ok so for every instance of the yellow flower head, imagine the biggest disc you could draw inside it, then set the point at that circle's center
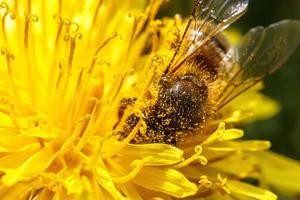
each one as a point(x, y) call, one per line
point(78, 80)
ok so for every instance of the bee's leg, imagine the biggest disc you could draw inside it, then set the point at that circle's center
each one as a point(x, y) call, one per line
point(130, 124)
point(123, 106)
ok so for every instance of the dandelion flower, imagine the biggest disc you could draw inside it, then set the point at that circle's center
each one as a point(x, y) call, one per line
point(66, 66)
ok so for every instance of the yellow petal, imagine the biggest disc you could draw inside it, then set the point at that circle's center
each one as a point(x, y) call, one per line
point(16, 159)
point(161, 154)
point(73, 184)
point(105, 180)
point(251, 145)
point(215, 196)
point(280, 172)
point(5, 120)
point(240, 165)
point(165, 180)
point(15, 192)
point(244, 108)
point(130, 191)
point(11, 142)
point(246, 191)
point(32, 167)
point(223, 134)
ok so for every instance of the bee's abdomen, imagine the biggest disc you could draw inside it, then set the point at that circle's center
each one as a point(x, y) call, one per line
point(179, 108)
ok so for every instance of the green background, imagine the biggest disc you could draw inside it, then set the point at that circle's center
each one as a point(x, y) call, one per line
point(282, 130)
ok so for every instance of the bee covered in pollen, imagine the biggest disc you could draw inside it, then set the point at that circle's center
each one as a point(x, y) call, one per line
point(205, 73)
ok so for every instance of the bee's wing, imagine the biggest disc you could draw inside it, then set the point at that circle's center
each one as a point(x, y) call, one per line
point(261, 52)
point(208, 19)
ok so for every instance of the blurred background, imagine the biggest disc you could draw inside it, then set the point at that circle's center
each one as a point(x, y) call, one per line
point(282, 130)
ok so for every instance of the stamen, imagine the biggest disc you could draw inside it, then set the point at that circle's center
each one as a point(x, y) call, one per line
point(205, 183)
point(216, 135)
point(138, 165)
point(85, 159)
point(6, 108)
point(97, 61)
point(4, 5)
point(136, 21)
point(86, 133)
point(60, 75)
point(118, 87)
point(193, 158)
point(7, 13)
point(28, 19)
point(74, 27)
point(41, 142)
point(132, 134)
point(71, 27)
point(83, 118)
point(67, 24)
point(29, 6)
point(221, 184)
point(53, 70)
point(79, 81)
point(125, 142)
point(72, 40)
point(155, 38)
point(59, 30)
point(59, 6)
point(105, 42)
point(9, 56)
point(94, 159)
point(96, 13)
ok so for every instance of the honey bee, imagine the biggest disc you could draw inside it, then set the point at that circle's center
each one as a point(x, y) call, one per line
point(206, 73)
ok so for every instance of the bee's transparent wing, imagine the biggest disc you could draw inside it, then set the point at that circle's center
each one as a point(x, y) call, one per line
point(208, 19)
point(261, 52)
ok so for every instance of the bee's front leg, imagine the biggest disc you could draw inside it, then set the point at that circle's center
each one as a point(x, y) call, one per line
point(130, 121)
